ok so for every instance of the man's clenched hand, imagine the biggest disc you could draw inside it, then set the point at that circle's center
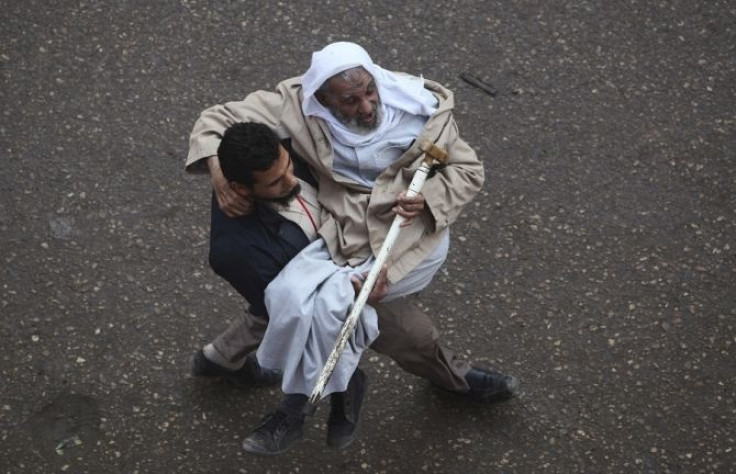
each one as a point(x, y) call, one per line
point(231, 203)
point(380, 289)
point(408, 207)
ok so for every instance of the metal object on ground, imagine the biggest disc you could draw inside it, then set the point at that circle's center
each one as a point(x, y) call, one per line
point(474, 81)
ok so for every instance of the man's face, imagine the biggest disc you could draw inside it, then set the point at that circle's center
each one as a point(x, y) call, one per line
point(276, 184)
point(353, 99)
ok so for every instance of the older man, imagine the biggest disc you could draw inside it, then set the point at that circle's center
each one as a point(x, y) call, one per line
point(358, 127)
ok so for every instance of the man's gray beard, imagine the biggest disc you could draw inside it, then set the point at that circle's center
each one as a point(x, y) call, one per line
point(359, 127)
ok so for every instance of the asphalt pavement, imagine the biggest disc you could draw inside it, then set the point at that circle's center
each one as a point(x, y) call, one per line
point(597, 264)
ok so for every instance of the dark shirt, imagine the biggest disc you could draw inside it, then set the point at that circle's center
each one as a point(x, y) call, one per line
point(249, 251)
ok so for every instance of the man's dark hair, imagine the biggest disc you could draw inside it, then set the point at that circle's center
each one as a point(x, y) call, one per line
point(245, 148)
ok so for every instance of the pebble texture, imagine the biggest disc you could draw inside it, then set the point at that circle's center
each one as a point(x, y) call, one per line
point(597, 264)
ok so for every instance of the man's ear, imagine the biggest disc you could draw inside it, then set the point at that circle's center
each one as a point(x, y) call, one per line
point(240, 188)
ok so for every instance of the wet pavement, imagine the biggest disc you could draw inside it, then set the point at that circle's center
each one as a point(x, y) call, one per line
point(597, 264)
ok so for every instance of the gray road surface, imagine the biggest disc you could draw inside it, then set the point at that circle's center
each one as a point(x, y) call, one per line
point(597, 264)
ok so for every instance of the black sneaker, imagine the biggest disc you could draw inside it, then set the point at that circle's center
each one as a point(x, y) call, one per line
point(490, 386)
point(345, 412)
point(277, 433)
point(248, 376)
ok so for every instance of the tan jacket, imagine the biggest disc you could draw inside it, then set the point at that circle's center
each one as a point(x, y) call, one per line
point(359, 217)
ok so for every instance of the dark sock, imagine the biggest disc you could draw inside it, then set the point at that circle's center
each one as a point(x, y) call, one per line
point(337, 404)
point(293, 405)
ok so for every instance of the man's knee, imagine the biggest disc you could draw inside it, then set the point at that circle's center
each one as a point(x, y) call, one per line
point(416, 335)
point(404, 327)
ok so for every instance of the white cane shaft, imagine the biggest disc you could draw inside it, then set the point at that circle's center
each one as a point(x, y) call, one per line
point(415, 188)
point(352, 319)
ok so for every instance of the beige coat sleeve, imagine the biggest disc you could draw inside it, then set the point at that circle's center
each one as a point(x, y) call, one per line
point(456, 185)
point(267, 107)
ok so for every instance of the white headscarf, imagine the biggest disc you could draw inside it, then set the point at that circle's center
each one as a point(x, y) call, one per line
point(398, 94)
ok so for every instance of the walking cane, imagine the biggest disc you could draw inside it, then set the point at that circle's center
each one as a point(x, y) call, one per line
point(433, 156)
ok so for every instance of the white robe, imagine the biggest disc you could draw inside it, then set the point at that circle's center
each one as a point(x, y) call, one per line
point(308, 303)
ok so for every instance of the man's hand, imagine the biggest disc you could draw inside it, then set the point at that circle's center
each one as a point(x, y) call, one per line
point(380, 289)
point(231, 203)
point(408, 207)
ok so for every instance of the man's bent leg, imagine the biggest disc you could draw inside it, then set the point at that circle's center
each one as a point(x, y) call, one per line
point(241, 338)
point(228, 355)
point(409, 337)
